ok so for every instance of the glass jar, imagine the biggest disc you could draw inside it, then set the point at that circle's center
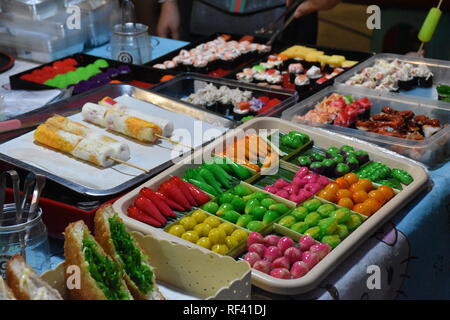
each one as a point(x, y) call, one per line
point(131, 43)
point(29, 234)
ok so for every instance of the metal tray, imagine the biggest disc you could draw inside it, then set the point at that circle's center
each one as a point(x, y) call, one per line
point(73, 105)
point(323, 139)
point(185, 84)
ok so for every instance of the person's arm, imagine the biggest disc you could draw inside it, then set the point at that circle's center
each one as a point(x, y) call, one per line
point(169, 20)
point(310, 6)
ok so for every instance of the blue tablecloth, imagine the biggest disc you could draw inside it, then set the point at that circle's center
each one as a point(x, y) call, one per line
point(412, 251)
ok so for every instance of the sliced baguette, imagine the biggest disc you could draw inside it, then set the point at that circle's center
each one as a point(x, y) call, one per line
point(5, 291)
point(103, 237)
point(26, 284)
point(74, 255)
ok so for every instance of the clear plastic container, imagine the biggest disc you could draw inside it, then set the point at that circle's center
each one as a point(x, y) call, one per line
point(186, 84)
point(98, 18)
point(40, 49)
point(439, 68)
point(31, 9)
point(431, 151)
point(45, 41)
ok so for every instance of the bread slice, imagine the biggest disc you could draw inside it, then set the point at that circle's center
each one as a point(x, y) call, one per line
point(145, 289)
point(5, 291)
point(26, 284)
point(80, 247)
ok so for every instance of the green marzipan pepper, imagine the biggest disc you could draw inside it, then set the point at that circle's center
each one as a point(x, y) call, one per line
point(402, 175)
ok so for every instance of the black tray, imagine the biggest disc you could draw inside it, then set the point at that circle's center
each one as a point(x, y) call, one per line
point(140, 76)
point(185, 84)
point(215, 73)
point(312, 89)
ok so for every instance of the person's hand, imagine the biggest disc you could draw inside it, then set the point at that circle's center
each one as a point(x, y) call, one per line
point(310, 6)
point(169, 21)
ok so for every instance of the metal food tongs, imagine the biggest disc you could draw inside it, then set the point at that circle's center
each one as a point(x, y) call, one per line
point(290, 11)
point(33, 186)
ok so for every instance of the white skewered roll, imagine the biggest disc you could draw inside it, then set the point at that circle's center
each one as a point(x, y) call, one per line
point(95, 151)
point(94, 113)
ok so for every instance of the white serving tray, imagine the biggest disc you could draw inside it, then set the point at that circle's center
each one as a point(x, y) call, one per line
point(323, 139)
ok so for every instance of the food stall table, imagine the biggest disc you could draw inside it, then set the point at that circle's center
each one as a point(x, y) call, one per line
point(410, 253)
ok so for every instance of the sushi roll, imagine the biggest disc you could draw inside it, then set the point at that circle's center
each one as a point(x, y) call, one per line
point(260, 77)
point(314, 73)
point(244, 77)
point(200, 65)
point(301, 82)
point(274, 78)
point(187, 64)
point(405, 80)
point(241, 110)
point(424, 76)
point(294, 70)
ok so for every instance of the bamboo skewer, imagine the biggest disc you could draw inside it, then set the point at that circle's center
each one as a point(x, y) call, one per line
point(129, 164)
point(174, 142)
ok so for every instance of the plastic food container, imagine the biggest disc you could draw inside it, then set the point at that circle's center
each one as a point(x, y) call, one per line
point(188, 83)
point(35, 10)
point(181, 273)
point(431, 151)
point(321, 139)
point(439, 68)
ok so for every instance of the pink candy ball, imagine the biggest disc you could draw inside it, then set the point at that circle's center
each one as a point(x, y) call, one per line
point(283, 194)
point(305, 242)
point(298, 181)
point(259, 248)
point(280, 273)
point(293, 254)
point(321, 249)
point(303, 171)
point(263, 266)
point(299, 269)
point(252, 258)
point(284, 243)
point(310, 258)
point(271, 189)
point(281, 262)
point(281, 183)
point(272, 253)
point(254, 237)
point(271, 240)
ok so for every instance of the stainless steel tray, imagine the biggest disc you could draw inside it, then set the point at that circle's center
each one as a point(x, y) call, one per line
point(73, 105)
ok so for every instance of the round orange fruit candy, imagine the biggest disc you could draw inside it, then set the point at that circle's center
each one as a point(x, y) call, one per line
point(362, 209)
point(366, 184)
point(346, 202)
point(342, 183)
point(359, 196)
point(328, 195)
point(343, 193)
point(332, 187)
point(377, 195)
point(387, 191)
point(351, 178)
point(373, 204)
